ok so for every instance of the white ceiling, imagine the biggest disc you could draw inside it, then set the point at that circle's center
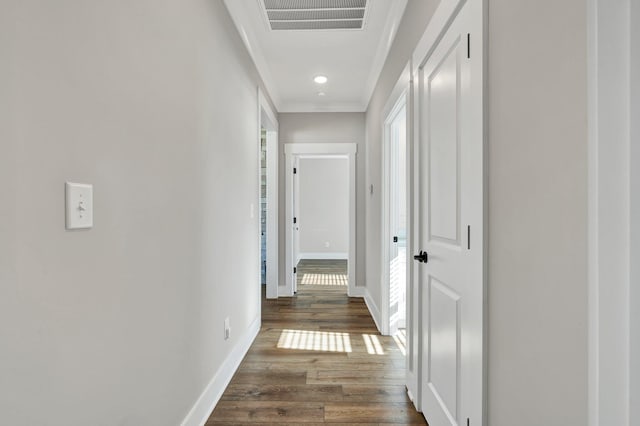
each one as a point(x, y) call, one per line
point(288, 60)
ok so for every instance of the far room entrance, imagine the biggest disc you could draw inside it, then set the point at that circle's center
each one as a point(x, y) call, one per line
point(320, 217)
point(321, 221)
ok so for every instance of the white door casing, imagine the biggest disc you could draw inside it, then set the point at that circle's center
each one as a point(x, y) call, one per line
point(267, 120)
point(293, 151)
point(451, 220)
point(614, 212)
point(295, 224)
point(394, 200)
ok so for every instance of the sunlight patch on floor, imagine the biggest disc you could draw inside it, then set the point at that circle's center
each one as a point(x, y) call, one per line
point(401, 340)
point(326, 341)
point(373, 344)
point(324, 279)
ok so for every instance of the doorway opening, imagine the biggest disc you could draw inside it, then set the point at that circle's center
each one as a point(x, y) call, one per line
point(321, 222)
point(268, 195)
point(263, 206)
point(320, 216)
point(394, 223)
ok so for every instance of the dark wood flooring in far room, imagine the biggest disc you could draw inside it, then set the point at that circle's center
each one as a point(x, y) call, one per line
point(318, 359)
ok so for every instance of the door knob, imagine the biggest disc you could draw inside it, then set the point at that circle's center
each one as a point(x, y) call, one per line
point(422, 257)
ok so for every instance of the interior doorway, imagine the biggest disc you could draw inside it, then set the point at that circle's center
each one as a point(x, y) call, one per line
point(268, 195)
point(321, 222)
point(263, 206)
point(318, 240)
point(394, 222)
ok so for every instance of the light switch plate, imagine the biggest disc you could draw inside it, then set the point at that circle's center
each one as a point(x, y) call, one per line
point(79, 205)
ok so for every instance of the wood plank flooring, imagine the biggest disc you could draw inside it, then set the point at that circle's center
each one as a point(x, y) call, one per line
point(318, 359)
point(322, 272)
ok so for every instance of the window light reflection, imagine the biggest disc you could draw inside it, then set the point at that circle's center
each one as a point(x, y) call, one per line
point(326, 341)
point(373, 344)
point(401, 340)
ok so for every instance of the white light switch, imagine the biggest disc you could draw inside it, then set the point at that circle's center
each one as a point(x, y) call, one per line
point(79, 205)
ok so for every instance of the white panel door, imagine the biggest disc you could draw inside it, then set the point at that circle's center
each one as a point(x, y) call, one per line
point(451, 218)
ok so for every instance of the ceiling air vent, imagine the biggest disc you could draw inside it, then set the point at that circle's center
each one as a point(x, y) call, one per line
point(315, 14)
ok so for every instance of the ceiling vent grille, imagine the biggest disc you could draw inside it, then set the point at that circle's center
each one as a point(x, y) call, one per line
point(315, 14)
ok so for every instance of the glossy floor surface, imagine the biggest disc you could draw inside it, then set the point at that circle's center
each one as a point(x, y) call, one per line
point(319, 359)
point(323, 272)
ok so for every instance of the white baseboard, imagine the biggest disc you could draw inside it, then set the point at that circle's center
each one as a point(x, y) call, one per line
point(323, 256)
point(207, 401)
point(373, 309)
point(368, 300)
point(357, 291)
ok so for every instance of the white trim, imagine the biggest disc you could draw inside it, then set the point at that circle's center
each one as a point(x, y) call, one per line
point(609, 185)
point(373, 308)
point(414, 329)
point(310, 107)
point(396, 101)
point(325, 149)
point(446, 11)
point(363, 292)
point(237, 9)
point(266, 107)
point(270, 123)
point(359, 291)
point(294, 151)
point(211, 394)
point(323, 256)
point(634, 314)
point(392, 24)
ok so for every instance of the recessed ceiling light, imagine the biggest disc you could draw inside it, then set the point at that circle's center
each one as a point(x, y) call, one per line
point(320, 79)
point(321, 93)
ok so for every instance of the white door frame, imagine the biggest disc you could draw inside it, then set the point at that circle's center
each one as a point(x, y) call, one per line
point(297, 150)
point(404, 87)
point(267, 120)
point(396, 101)
point(437, 27)
point(614, 212)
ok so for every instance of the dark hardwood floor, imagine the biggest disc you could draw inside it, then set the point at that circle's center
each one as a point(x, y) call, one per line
point(318, 359)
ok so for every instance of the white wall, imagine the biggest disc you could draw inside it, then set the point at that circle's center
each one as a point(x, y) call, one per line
point(155, 104)
point(323, 217)
point(634, 403)
point(414, 22)
point(325, 127)
point(537, 284)
point(537, 213)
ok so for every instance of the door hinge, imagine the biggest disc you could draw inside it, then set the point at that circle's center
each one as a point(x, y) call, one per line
point(295, 220)
point(395, 239)
point(468, 45)
point(295, 170)
point(295, 270)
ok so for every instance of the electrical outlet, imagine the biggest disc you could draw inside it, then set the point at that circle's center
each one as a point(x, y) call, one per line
point(227, 329)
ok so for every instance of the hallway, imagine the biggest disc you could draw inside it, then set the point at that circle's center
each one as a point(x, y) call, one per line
point(318, 359)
